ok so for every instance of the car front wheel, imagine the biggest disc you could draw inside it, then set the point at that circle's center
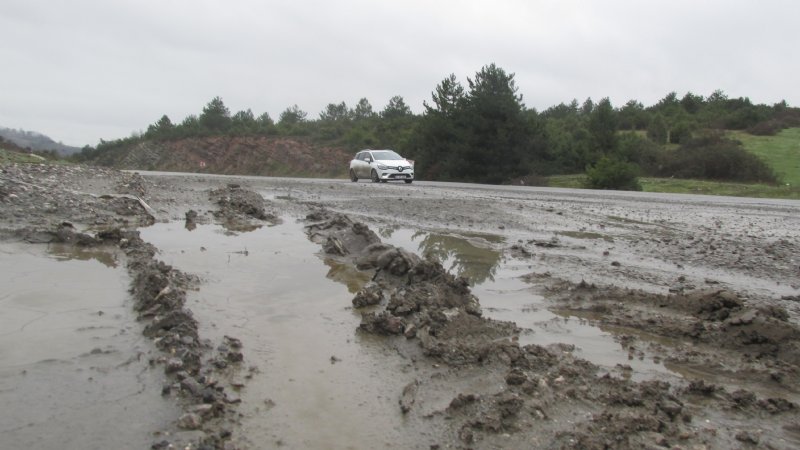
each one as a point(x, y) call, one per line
point(353, 176)
point(375, 178)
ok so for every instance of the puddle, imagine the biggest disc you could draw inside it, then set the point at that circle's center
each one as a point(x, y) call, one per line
point(510, 298)
point(317, 383)
point(73, 363)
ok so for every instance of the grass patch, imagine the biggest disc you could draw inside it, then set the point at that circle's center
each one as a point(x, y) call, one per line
point(9, 157)
point(682, 186)
point(756, 190)
point(15, 157)
point(567, 181)
point(781, 152)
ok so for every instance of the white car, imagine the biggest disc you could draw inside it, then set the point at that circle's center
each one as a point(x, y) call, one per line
point(381, 165)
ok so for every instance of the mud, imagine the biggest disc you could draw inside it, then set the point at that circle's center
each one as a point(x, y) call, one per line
point(524, 318)
point(419, 300)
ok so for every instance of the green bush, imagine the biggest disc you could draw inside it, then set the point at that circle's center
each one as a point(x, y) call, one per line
point(714, 157)
point(641, 151)
point(613, 173)
point(680, 133)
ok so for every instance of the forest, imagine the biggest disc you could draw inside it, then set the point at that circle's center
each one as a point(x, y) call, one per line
point(483, 132)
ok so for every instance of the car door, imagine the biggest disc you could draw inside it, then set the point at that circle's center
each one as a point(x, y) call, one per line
point(356, 165)
point(363, 165)
point(367, 165)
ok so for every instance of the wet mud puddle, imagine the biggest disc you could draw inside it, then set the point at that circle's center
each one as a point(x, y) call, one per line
point(310, 381)
point(73, 363)
point(504, 295)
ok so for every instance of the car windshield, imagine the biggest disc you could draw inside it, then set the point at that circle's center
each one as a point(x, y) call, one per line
point(386, 155)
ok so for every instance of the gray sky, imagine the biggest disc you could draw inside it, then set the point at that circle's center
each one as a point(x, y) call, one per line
point(82, 70)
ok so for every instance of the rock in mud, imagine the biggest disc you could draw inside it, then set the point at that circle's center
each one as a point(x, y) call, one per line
point(382, 323)
point(408, 396)
point(714, 305)
point(516, 377)
point(370, 294)
point(190, 421)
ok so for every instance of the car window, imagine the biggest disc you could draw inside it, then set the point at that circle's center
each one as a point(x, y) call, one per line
point(386, 155)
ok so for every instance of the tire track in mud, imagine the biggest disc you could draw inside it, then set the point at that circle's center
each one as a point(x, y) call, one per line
point(475, 386)
point(544, 396)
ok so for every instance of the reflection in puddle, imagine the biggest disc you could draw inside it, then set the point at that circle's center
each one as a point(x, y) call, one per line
point(66, 252)
point(73, 363)
point(465, 255)
point(348, 275)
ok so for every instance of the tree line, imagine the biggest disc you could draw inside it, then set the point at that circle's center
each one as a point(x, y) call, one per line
point(482, 131)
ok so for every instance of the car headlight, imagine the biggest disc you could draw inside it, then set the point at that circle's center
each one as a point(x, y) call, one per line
point(382, 167)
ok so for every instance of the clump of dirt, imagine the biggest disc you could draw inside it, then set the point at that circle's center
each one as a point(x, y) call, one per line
point(240, 208)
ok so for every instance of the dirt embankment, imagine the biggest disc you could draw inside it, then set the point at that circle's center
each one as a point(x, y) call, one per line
point(271, 156)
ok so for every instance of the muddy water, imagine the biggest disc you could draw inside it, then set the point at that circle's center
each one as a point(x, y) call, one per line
point(311, 381)
point(73, 363)
point(505, 296)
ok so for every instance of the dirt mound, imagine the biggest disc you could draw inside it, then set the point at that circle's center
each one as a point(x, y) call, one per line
point(419, 297)
point(44, 195)
point(239, 208)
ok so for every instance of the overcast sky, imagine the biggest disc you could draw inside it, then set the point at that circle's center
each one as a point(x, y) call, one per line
point(82, 70)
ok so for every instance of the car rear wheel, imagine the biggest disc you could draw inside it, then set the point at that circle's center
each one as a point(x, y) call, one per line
point(375, 178)
point(353, 176)
point(408, 181)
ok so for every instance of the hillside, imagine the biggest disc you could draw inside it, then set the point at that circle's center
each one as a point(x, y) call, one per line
point(36, 141)
point(780, 151)
point(243, 155)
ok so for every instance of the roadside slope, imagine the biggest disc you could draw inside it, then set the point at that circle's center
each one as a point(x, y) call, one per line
point(251, 155)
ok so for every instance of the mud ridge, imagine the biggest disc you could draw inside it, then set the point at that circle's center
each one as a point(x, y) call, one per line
point(194, 368)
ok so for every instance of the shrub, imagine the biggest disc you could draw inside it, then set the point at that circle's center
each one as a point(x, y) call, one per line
point(787, 118)
point(680, 133)
point(613, 173)
point(641, 151)
point(767, 128)
point(717, 158)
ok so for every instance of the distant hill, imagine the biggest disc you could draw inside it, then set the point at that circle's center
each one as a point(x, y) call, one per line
point(36, 141)
point(239, 155)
